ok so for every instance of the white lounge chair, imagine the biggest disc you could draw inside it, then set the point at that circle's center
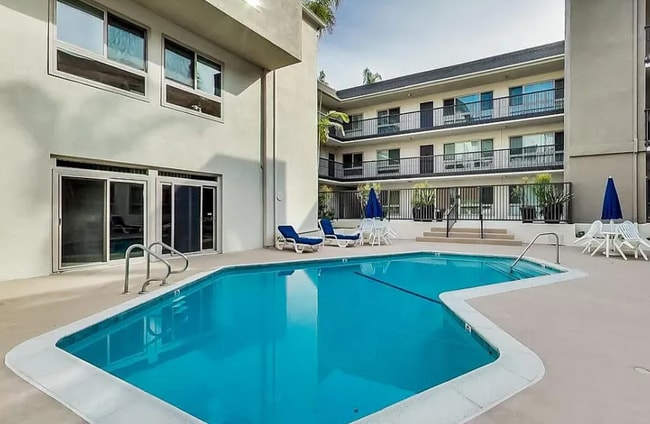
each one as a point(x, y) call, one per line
point(629, 237)
point(592, 238)
point(341, 240)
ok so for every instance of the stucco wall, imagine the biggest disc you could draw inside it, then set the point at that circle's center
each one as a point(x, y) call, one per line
point(297, 139)
point(604, 103)
point(42, 115)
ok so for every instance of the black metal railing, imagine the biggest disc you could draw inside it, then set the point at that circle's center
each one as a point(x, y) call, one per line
point(534, 158)
point(452, 217)
point(647, 44)
point(519, 202)
point(541, 103)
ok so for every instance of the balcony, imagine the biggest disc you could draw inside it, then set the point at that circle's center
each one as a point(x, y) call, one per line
point(533, 158)
point(542, 103)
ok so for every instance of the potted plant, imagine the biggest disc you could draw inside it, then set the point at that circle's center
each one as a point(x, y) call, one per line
point(423, 203)
point(525, 193)
point(551, 198)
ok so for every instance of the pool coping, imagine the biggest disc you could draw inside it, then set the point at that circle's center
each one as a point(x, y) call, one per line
point(99, 397)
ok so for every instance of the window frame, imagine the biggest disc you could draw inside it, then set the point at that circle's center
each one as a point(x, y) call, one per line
point(355, 125)
point(389, 164)
point(164, 82)
point(54, 45)
point(352, 170)
point(396, 126)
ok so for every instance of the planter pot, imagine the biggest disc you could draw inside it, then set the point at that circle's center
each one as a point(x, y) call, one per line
point(440, 214)
point(423, 213)
point(553, 213)
point(528, 214)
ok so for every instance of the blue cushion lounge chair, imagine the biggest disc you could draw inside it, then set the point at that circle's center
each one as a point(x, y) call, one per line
point(341, 240)
point(289, 237)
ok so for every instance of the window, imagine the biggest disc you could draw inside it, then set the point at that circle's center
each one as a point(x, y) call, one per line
point(448, 107)
point(388, 160)
point(530, 144)
point(356, 123)
point(536, 97)
point(467, 104)
point(487, 104)
point(95, 45)
point(390, 200)
point(468, 150)
point(353, 164)
point(388, 121)
point(192, 81)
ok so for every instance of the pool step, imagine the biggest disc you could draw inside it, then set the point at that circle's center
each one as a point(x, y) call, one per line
point(471, 230)
point(469, 234)
point(469, 240)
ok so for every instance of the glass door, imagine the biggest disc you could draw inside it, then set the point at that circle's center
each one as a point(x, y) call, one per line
point(188, 212)
point(127, 217)
point(82, 221)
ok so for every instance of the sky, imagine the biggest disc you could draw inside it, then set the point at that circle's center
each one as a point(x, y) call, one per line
point(401, 37)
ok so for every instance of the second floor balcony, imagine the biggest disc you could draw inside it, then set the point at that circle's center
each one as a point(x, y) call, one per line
point(522, 106)
point(526, 159)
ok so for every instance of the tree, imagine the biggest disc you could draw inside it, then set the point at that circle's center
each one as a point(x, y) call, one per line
point(332, 119)
point(322, 76)
point(325, 10)
point(370, 77)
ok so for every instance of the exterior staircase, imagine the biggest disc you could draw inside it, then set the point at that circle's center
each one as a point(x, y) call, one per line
point(494, 236)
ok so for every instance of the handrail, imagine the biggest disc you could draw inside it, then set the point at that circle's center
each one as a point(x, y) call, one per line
point(127, 256)
point(168, 247)
point(557, 248)
point(454, 208)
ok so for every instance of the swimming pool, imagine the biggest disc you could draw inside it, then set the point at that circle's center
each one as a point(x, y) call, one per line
point(328, 341)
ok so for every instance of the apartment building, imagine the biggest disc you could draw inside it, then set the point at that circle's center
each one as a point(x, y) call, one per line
point(488, 123)
point(133, 121)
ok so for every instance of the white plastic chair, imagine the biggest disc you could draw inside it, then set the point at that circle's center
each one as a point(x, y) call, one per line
point(367, 230)
point(629, 237)
point(592, 238)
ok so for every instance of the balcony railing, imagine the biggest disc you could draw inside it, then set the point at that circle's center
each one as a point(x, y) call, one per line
point(490, 202)
point(534, 158)
point(549, 102)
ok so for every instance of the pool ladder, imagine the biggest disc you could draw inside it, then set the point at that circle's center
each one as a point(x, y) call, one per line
point(149, 253)
point(557, 248)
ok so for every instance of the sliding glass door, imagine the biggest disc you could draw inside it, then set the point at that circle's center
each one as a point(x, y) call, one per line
point(188, 215)
point(97, 217)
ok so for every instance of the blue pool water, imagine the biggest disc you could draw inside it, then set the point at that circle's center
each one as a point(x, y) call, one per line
point(318, 342)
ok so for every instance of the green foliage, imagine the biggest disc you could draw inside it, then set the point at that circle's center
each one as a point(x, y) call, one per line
point(370, 77)
point(325, 10)
point(423, 195)
point(363, 191)
point(543, 190)
point(331, 119)
point(324, 198)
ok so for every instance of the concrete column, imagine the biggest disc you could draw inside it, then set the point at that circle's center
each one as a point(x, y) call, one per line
point(605, 98)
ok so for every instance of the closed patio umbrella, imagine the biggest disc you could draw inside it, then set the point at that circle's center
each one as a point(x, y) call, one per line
point(373, 207)
point(611, 204)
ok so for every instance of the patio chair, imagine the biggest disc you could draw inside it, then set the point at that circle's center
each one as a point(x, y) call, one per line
point(592, 238)
point(341, 240)
point(289, 237)
point(629, 237)
point(367, 230)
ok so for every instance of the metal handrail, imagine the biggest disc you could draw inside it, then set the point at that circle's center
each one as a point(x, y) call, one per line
point(557, 248)
point(171, 249)
point(453, 209)
point(127, 256)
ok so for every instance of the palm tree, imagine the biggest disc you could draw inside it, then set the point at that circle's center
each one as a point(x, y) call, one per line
point(325, 10)
point(370, 77)
point(322, 76)
point(332, 119)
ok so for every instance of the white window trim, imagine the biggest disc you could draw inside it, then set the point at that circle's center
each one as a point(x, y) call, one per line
point(359, 121)
point(55, 45)
point(388, 164)
point(388, 115)
point(165, 81)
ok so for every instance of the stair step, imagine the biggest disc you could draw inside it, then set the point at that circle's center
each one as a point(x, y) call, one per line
point(499, 242)
point(471, 230)
point(460, 234)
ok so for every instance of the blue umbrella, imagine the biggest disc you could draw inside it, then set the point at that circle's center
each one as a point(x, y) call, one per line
point(373, 207)
point(611, 204)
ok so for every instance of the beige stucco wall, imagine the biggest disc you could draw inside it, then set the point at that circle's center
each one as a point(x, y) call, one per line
point(604, 103)
point(297, 139)
point(412, 104)
point(42, 115)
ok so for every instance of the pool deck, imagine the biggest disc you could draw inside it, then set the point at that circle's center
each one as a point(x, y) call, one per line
point(590, 333)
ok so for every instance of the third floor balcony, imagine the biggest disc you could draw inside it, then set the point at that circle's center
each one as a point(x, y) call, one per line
point(459, 114)
point(525, 159)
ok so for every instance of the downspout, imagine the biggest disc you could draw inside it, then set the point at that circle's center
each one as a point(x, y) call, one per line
point(275, 192)
point(635, 148)
point(263, 120)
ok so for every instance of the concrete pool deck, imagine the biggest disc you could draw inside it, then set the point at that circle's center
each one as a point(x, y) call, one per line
point(590, 333)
